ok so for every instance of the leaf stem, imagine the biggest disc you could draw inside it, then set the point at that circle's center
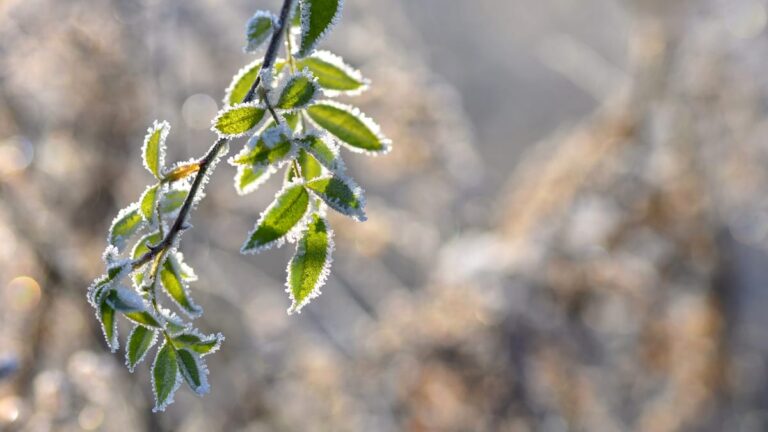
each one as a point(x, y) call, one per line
point(206, 162)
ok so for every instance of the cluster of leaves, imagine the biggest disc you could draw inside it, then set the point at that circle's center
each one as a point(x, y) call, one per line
point(282, 106)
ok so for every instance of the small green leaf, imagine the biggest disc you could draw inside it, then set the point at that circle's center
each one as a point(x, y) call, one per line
point(266, 151)
point(165, 376)
point(176, 288)
point(241, 83)
point(309, 267)
point(147, 202)
point(237, 120)
point(144, 318)
point(341, 195)
point(193, 370)
point(173, 200)
point(317, 18)
point(127, 222)
point(310, 168)
point(139, 342)
point(292, 119)
point(153, 150)
point(248, 179)
point(259, 29)
point(333, 75)
point(142, 245)
point(277, 221)
point(298, 91)
point(358, 132)
point(323, 150)
point(106, 315)
point(199, 343)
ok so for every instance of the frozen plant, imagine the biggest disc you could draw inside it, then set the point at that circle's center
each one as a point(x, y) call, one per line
point(282, 106)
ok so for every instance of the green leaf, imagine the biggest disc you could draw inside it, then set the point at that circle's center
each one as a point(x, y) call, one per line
point(176, 288)
point(127, 222)
point(358, 132)
point(139, 342)
point(126, 300)
point(333, 75)
point(241, 83)
point(270, 148)
point(147, 202)
point(153, 150)
point(144, 318)
point(106, 315)
point(173, 200)
point(277, 221)
point(198, 343)
point(142, 245)
point(248, 179)
point(259, 29)
point(323, 151)
point(237, 120)
point(341, 195)
point(309, 267)
point(292, 119)
point(165, 376)
point(298, 91)
point(310, 168)
point(193, 370)
point(317, 18)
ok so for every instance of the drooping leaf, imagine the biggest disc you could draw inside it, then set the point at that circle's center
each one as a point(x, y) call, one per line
point(153, 150)
point(298, 91)
point(177, 289)
point(242, 82)
point(259, 29)
point(106, 315)
point(139, 342)
point(199, 343)
point(310, 168)
point(323, 150)
point(237, 120)
point(341, 194)
point(147, 202)
point(127, 222)
point(317, 19)
point(355, 130)
point(193, 370)
point(186, 272)
point(165, 376)
point(310, 265)
point(279, 219)
point(248, 179)
point(142, 247)
point(333, 75)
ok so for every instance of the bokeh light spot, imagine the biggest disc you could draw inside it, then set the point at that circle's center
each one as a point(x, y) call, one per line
point(22, 293)
point(198, 110)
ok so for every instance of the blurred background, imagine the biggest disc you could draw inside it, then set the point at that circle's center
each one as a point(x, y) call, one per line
point(570, 235)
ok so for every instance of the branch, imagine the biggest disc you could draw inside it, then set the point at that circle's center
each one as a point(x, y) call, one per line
point(206, 161)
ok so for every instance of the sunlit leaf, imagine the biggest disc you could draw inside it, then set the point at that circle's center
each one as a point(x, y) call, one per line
point(310, 168)
point(317, 19)
point(139, 342)
point(108, 321)
point(237, 120)
point(323, 150)
point(279, 220)
point(355, 130)
point(165, 376)
point(340, 194)
point(144, 318)
point(248, 179)
point(193, 370)
point(265, 150)
point(259, 29)
point(242, 82)
point(298, 91)
point(309, 267)
point(127, 222)
point(147, 202)
point(333, 75)
point(153, 150)
point(199, 343)
point(177, 289)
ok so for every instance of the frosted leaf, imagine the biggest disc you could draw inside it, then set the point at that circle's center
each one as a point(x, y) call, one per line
point(275, 135)
point(259, 29)
point(124, 299)
point(198, 342)
point(172, 323)
point(127, 222)
point(317, 19)
point(341, 194)
point(153, 150)
point(269, 149)
point(139, 342)
point(248, 179)
point(280, 220)
point(144, 318)
point(165, 376)
point(323, 149)
point(296, 91)
point(194, 370)
point(186, 272)
point(142, 247)
point(354, 129)
point(242, 82)
point(308, 165)
point(237, 120)
point(147, 202)
point(173, 199)
point(333, 74)
point(177, 289)
point(181, 171)
point(108, 320)
point(310, 266)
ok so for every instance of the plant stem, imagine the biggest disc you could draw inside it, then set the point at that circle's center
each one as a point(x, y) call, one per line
point(206, 162)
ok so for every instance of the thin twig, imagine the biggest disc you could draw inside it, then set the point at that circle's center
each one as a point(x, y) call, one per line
point(206, 161)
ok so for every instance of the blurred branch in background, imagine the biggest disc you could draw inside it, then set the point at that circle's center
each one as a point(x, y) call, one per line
point(616, 281)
